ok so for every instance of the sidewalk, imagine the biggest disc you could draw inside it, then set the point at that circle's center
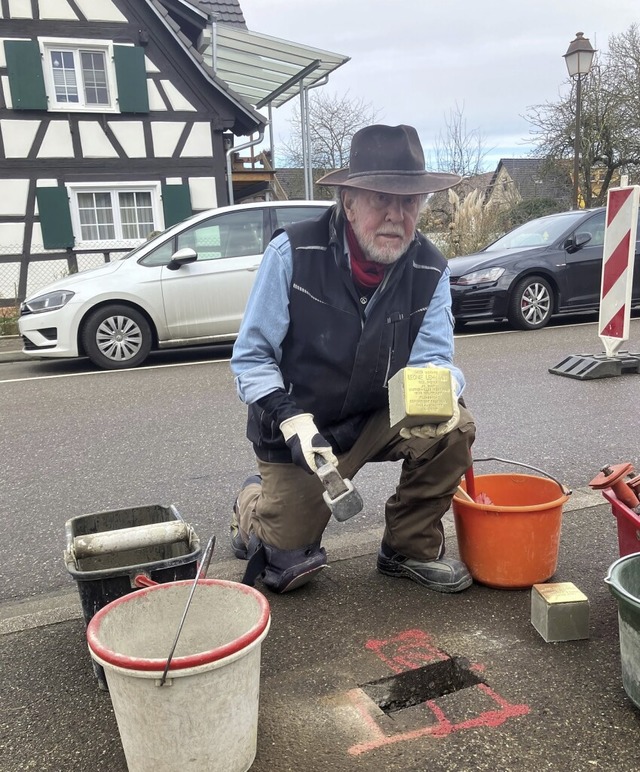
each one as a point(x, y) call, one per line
point(541, 706)
point(11, 349)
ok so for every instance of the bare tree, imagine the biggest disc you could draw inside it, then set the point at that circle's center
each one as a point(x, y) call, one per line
point(458, 149)
point(333, 120)
point(610, 124)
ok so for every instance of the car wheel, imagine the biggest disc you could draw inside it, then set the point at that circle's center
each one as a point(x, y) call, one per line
point(531, 303)
point(116, 336)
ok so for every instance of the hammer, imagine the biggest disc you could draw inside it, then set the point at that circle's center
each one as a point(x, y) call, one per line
point(340, 496)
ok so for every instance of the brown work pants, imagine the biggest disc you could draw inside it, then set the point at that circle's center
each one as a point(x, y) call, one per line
point(287, 511)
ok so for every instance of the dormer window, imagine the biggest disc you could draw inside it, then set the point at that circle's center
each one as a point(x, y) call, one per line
point(79, 75)
point(72, 75)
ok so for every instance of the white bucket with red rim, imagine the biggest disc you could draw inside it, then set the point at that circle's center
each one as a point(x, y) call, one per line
point(205, 715)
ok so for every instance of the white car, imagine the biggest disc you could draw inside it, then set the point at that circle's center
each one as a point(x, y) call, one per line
point(185, 287)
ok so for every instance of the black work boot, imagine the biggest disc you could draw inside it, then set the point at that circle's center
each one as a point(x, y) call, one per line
point(283, 570)
point(440, 574)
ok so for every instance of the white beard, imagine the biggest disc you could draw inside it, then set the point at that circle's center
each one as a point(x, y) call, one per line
point(385, 255)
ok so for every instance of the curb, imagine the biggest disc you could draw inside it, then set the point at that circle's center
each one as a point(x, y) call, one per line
point(10, 349)
point(62, 605)
point(14, 356)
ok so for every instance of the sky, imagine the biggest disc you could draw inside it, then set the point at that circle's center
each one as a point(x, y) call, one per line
point(414, 61)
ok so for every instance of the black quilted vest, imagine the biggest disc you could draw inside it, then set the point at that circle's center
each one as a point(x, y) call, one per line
point(335, 362)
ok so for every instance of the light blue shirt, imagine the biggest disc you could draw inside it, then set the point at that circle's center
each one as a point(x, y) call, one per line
point(258, 349)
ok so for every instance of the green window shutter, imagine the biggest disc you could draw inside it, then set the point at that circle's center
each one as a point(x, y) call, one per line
point(55, 217)
point(176, 202)
point(131, 77)
point(26, 80)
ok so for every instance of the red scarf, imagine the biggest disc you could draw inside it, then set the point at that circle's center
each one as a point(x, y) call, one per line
point(366, 273)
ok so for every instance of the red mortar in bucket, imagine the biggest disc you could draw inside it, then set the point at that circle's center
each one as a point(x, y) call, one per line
point(513, 541)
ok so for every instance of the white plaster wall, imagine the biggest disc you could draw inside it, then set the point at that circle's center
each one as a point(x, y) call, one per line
point(176, 99)
point(20, 9)
point(6, 91)
point(94, 141)
point(100, 10)
point(149, 65)
point(57, 142)
point(198, 144)
point(155, 100)
point(37, 245)
point(130, 134)
point(56, 9)
point(12, 235)
point(203, 193)
point(18, 137)
point(13, 198)
point(165, 137)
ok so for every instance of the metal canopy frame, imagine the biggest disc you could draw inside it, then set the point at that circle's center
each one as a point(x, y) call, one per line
point(269, 71)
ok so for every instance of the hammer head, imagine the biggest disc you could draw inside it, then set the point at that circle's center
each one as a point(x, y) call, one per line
point(340, 496)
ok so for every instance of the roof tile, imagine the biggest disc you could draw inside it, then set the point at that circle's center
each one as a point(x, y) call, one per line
point(227, 11)
point(536, 177)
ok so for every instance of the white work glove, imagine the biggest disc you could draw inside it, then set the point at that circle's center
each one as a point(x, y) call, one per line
point(432, 431)
point(304, 440)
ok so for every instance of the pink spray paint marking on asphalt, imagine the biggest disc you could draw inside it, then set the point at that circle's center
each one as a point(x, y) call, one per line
point(409, 650)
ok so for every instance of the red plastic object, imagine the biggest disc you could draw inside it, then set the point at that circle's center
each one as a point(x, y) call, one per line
point(611, 476)
point(634, 484)
point(628, 524)
point(470, 480)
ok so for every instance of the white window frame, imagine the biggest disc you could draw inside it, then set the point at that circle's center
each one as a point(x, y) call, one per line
point(76, 45)
point(73, 188)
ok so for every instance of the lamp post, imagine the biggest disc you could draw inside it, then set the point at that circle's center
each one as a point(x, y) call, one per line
point(578, 58)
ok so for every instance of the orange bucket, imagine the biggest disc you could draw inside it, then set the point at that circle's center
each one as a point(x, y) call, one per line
point(512, 542)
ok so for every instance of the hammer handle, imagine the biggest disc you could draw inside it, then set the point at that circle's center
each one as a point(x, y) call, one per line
point(330, 477)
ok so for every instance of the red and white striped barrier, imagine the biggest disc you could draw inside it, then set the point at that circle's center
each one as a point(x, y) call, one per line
point(617, 266)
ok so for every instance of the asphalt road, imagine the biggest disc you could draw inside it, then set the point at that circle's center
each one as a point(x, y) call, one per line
point(76, 441)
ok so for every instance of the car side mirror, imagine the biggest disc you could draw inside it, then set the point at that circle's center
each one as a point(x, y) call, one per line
point(182, 257)
point(577, 241)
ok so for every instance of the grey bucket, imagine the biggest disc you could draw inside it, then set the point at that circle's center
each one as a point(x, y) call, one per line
point(623, 580)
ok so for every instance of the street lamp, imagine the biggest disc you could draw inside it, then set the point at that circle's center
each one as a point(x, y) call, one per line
point(578, 58)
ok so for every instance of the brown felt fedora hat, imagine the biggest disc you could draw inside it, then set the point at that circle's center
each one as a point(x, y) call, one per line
point(389, 159)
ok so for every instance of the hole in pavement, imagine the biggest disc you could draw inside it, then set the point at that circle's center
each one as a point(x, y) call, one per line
point(425, 683)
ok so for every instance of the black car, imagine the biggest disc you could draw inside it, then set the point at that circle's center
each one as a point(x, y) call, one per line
point(551, 265)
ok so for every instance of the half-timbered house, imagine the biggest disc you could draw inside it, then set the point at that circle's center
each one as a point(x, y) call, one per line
point(111, 127)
